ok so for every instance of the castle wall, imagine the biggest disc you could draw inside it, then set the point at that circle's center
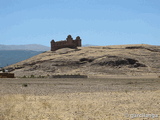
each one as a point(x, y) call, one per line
point(6, 75)
point(69, 42)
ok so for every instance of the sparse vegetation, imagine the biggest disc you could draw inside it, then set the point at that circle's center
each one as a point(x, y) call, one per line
point(113, 60)
point(25, 85)
point(107, 106)
point(69, 76)
point(33, 76)
point(85, 99)
point(24, 76)
point(40, 76)
point(130, 83)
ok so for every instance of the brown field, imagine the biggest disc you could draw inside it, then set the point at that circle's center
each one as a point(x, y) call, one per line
point(79, 99)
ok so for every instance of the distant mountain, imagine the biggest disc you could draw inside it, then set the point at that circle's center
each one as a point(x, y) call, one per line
point(8, 57)
point(33, 47)
point(87, 45)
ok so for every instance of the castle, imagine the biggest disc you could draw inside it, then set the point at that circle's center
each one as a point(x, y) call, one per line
point(69, 42)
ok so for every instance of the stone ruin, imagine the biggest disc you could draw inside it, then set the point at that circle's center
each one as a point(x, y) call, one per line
point(68, 43)
point(7, 75)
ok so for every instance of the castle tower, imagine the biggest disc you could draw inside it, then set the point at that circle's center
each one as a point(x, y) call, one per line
point(78, 39)
point(52, 45)
point(52, 41)
point(69, 39)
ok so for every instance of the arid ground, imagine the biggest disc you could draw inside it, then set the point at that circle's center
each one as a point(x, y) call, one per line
point(80, 99)
point(127, 60)
point(123, 83)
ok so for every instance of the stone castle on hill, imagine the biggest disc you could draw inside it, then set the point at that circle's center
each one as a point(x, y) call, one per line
point(68, 43)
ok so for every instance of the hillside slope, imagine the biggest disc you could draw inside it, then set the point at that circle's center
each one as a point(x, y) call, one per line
point(129, 60)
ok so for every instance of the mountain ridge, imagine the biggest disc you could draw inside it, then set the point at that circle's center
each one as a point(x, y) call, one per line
point(33, 47)
point(9, 57)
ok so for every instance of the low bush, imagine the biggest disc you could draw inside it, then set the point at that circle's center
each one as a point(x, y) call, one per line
point(32, 76)
point(25, 85)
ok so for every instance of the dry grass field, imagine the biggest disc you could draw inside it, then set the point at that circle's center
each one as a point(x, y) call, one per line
point(79, 99)
point(123, 83)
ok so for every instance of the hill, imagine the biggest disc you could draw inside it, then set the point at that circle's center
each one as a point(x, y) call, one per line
point(128, 60)
point(8, 57)
point(33, 47)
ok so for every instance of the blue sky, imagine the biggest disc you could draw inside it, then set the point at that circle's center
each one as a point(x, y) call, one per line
point(97, 22)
